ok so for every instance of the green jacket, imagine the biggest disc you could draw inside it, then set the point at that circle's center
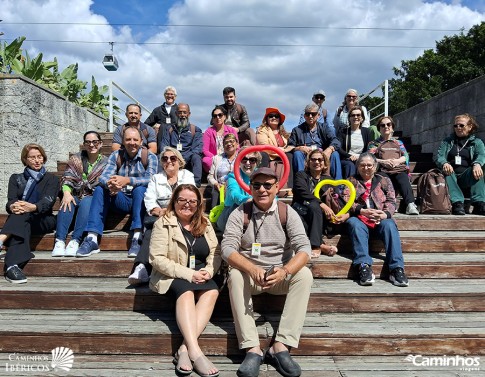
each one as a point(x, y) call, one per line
point(476, 146)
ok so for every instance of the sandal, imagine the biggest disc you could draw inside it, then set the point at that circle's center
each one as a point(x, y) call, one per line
point(202, 365)
point(316, 253)
point(180, 359)
point(328, 250)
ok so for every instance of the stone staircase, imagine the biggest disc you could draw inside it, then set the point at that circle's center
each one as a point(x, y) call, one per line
point(115, 329)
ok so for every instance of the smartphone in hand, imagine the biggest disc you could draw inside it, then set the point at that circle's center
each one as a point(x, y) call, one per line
point(269, 272)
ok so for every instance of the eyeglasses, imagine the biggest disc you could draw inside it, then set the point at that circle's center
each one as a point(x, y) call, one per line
point(276, 116)
point(319, 160)
point(267, 186)
point(218, 115)
point(355, 115)
point(351, 97)
point(230, 142)
point(87, 143)
point(35, 158)
point(192, 202)
point(385, 125)
point(251, 160)
point(459, 125)
point(172, 159)
point(320, 97)
point(307, 114)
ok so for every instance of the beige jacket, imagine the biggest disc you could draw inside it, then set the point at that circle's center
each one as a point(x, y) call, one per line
point(169, 254)
point(265, 136)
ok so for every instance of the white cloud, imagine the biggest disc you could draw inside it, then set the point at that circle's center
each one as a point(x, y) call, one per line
point(284, 76)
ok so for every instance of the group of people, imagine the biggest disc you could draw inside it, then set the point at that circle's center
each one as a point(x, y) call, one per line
point(265, 242)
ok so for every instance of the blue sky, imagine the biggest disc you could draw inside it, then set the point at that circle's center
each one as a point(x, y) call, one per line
point(346, 48)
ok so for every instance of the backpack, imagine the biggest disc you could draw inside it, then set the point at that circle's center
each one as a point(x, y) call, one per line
point(120, 159)
point(248, 213)
point(192, 130)
point(433, 192)
point(388, 150)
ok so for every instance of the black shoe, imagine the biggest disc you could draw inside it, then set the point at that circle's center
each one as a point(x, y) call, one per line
point(479, 208)
point(250, 365)
point(15, 275)
point(284, 364)
point(458, 208)
point(366, 276)
point(398, 277)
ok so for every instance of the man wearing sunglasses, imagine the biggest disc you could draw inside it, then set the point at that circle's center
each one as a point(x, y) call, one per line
point(133, 114)
point(267, 243)
point(311, 135)
point(121, 188)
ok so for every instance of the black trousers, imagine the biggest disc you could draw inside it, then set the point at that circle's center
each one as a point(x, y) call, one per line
point(20, 228)
point(401, 183)
point(144, 253)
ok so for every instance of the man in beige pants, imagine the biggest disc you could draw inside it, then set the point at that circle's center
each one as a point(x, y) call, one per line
point(272, 236)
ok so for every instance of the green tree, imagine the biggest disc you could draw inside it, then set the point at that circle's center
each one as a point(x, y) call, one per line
point(456, 60)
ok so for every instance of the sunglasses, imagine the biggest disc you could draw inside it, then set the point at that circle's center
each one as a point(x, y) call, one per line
point(173, 159)
point(319, 160)
point(251, 160)
point(355, 115)
point(459, 125)
point(319, 97)
point(192, 202)
point(218, 115)
point(91, 142)
point(276, 116)
point(230, 142)
point(385, 125)
point(267, 186)
point(307, 114)
point(352, 97)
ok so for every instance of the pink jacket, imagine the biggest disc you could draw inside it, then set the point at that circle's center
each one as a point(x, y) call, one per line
point(209, 144)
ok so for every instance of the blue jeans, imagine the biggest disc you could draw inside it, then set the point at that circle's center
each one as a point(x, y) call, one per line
point(386, 231)
point(102, 201)
point(335, 168)
point(64, 219)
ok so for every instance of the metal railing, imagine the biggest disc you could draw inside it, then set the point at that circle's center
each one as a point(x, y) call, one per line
point(112, 116)
point(384, 86)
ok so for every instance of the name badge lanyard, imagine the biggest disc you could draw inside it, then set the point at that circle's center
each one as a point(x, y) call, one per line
point(458, 150)
point(256, 246)
point(190, 247)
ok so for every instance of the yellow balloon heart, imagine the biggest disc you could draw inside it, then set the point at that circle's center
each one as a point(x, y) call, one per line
point(217, 210)
point(338, 182)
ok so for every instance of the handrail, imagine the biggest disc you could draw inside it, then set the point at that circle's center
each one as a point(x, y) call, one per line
point(111, 115)
point(385, 102)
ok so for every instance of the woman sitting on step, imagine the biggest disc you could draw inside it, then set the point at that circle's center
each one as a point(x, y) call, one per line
point(184, 259)
point(461, 157)
point(78, 183)
point(157, 197)
point(394, 161)
point(31, 196)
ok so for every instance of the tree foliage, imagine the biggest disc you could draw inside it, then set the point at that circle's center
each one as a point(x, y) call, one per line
point(13, 60)
point(455, 60)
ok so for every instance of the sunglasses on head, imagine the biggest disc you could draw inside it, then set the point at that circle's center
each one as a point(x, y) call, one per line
point(266, 185)
point(171, 158)
point(251, 160)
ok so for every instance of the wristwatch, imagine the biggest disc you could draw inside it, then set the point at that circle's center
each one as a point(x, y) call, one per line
point(288, 275)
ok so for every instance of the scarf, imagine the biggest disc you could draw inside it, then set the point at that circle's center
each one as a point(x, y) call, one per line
point(77, 177)
point(365, 197)
point(32, 177)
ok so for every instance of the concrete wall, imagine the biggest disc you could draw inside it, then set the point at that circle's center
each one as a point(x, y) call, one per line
point(31, 113)
point(429, 122)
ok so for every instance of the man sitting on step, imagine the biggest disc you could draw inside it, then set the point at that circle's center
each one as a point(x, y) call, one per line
point(148, 134)
point(267, 249)
point(122, 188)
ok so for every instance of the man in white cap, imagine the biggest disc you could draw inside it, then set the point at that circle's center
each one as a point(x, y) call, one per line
point(318, 98)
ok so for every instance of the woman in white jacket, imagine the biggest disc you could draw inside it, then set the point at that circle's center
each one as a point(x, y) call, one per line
point(157, 197)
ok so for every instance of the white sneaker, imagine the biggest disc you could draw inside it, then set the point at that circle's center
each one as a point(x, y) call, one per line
point(412, 209)
point(71, 248)
point(139, 276)
point(59, 249)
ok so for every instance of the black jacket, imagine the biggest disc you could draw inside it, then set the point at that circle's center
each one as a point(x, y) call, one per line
point(345, 144)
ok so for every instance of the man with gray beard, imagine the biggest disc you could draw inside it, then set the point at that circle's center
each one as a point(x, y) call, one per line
point(187, 139)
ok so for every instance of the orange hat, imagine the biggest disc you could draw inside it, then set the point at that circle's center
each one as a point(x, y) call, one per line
point(272, 110)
